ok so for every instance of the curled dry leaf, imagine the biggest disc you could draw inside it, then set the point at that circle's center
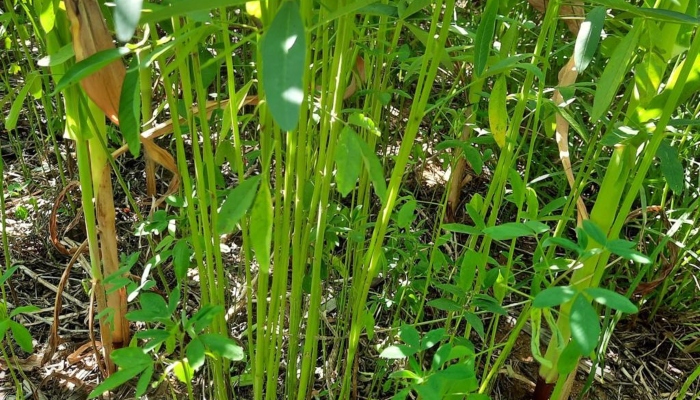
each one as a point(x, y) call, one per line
point(90, 36)
point(571, 12)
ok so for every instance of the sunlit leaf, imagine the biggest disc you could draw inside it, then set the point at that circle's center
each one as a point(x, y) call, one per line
point(584, 324)
point(484, 36)
point(614, 73)
point(588, 38)
point(22, 336)
point(498, 112)
point(126, 18)
point(553, 296)
point(611, 299)
point(283, 52)
point(223, 346)
point(397, 351)
point(195, 353)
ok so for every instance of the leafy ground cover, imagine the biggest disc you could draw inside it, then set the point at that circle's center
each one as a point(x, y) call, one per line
point(357, 200)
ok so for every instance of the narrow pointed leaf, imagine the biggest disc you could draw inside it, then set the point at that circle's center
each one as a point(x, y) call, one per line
point(588, 38)
point(614, 72)
point(88, 67)
point(130, 107)
point(484, 36)
point(261, 226)
point(498, 112)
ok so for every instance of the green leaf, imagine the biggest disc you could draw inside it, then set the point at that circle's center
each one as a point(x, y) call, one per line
point(130, 357)
point(445, 305)
point(462, 350)
point(461, 228)
point(498, 115)
point(671, 167)
point(376, 172)
point(474, 158)
point(594, 232)
point(184, 8)
point(156, 336)
point(404, 374)
point(202, 318)
point(237, 203)
point(144, 381)
point(24, 310)
point(537, 227)
point(115, 380)
point(432, 338)
point(364, 122)
point(473, 211)
point(660, 15)
point(181, 258)
point(46, 10)
point(568, 359)
point(398, 351)
point(153, 309)
point(410, 335)
point(183, 371)
point(13, 115)
point(126, 18)
point(223, 346)
point(561, 242)
point(283, 52)
point(174, 299)
point(484, 36)
point(130, 106)
point(553, 296)
point(476, 323)
point(457, 372)
point(261, 227)
point(195, 353)
point(406, 214)
point(488, 303)
point(348, 164)
point(89, 66)
point(625, 249)
point(584, 324)
point(22, 336)
point(614, 73)
point(413, 7)
point(441, 356)
point(509, 230)
point(611, 299)
point(62, 55)
point(588, 38)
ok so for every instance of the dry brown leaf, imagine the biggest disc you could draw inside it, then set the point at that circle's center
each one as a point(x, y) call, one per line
point(571, 12)
point(567, 76)
point(90, 35)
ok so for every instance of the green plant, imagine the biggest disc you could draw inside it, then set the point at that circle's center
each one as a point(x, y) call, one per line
point(451, 374)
